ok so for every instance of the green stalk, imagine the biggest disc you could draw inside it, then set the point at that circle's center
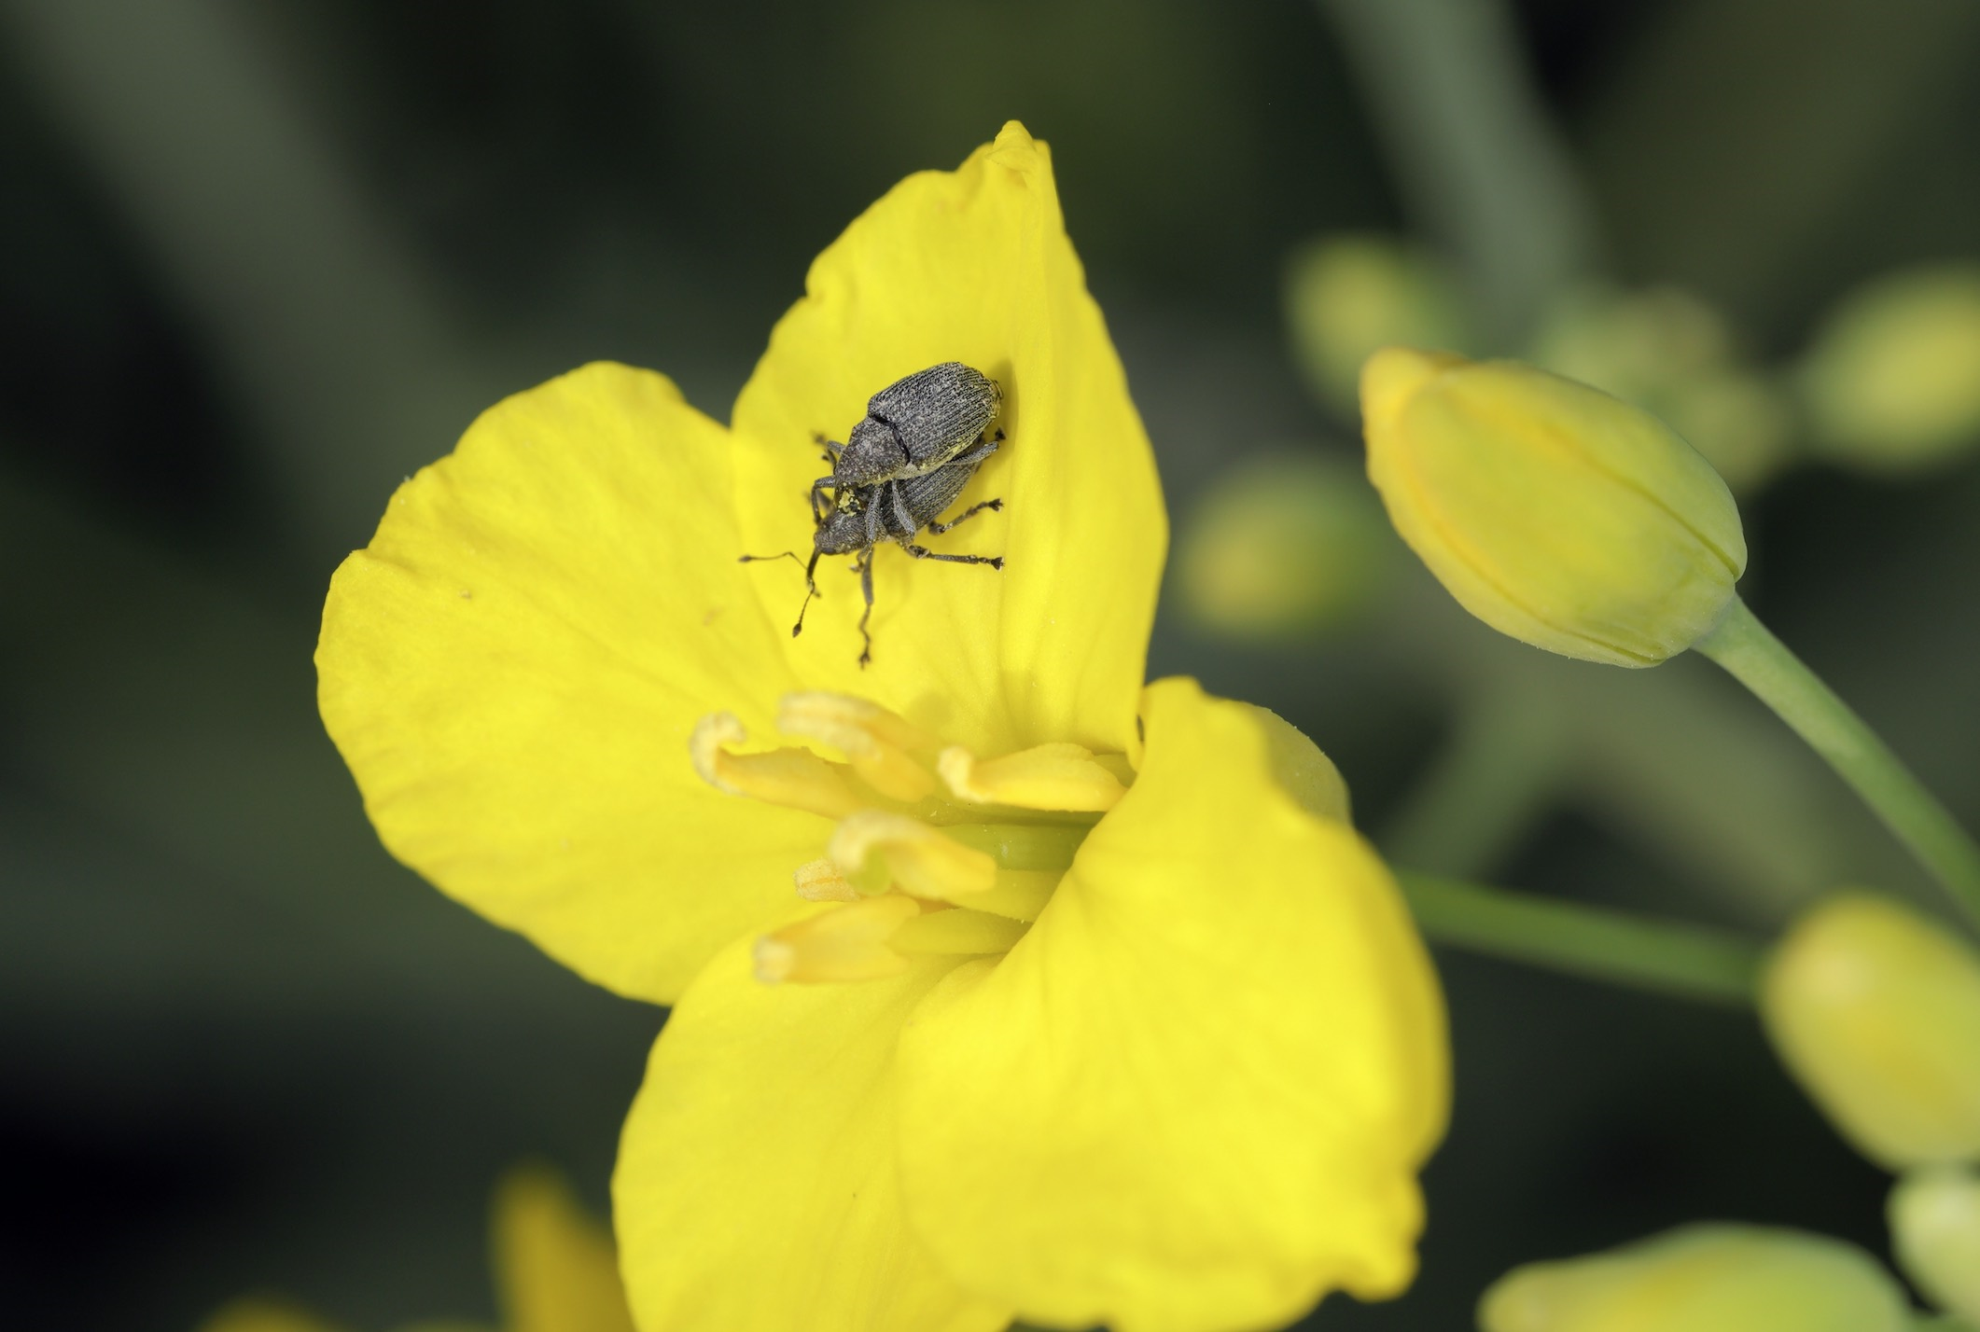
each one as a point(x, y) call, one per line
point(1758, 660)
point(1691, 961)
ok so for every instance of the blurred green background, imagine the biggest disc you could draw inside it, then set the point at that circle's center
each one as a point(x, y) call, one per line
point(263, 260)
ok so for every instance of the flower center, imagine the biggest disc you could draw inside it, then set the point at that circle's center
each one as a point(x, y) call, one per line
point(935, 850)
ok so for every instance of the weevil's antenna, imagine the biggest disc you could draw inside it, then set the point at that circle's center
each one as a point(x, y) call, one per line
point(810, 591)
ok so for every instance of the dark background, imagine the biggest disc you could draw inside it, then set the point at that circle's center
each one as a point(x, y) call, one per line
point(258, 261)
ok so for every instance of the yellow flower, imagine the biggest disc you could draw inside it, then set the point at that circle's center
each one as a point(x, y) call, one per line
point(1123, 1029)
point(1876, 1011)
point(1553, 512)
point(555, 1270)
point(1703, 1278)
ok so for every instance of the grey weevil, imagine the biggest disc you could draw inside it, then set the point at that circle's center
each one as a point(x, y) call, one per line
point(914, 426)
point(859, 517)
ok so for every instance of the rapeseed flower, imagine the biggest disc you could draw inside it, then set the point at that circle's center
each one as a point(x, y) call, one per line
point(1017, 988)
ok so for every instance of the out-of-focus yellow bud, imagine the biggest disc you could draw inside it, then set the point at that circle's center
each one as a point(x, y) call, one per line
point(1349, 296)
point(1670, 353)
point(1283, 544)
point(1703, 1278)
point(1935, 1232)
point(1892, 383)
point(1552, 511)
point(1876, 1011)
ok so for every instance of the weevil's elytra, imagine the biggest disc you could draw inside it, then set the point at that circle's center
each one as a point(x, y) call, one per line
point(902, 465)
point(914, 426)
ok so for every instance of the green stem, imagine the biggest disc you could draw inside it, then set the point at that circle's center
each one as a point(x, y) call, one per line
point(1499, 773)
point(1615, 946)
point(1758, 660)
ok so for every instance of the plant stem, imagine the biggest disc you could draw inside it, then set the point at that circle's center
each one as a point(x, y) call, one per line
point(1615, 946)
point(1758, 660)
point(1499, 773)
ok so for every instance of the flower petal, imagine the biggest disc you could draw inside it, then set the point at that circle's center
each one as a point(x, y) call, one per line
point(972, 266)
point(513, 666)
point(1195, 1096)
point(756, 1189)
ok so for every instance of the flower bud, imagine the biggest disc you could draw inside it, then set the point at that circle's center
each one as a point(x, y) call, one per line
point(1892, 383)
point(1349, 296)
point(1668, 352)
point(1935, 1232)
point(1876, 1012)
point(1702, 1278)
point(1283, 544)
point(1552, 511)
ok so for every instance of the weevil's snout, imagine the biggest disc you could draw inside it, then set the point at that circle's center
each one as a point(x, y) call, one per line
point(873, 453)
point(843, 533)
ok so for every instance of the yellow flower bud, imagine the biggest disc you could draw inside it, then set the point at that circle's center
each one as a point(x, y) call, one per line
point(1935, 1232)
point(1702, 1278)
point(1892, 383)
point(1282, 544)
point(1668, 352)
point(1552, 511)
point(1876, 1011)
point(1349, 296)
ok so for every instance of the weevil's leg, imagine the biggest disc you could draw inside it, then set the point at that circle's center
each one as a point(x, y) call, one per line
point(902, 516)
point(866, 586)
point(780, 555)
point(938, 528)
point(820, 506)
point(810, 591)
point(876, 527)
point(974, 456)
point(923, 553)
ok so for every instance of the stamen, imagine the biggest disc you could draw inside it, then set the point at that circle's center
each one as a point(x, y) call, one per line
point(1055, 776)
point(875, 741)
point(847, 943)
point(820, 881)
point(796, 778)
point(917, 858)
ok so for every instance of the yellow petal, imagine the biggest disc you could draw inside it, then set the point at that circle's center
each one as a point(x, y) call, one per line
point(972, 266)
point(555, 1267)
point(756, 1187)
point(1196, 1094)
point(514, 666)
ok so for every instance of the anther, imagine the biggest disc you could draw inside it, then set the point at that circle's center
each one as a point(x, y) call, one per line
point(796, 778)
point(847, 943)
point(820, 881)
point(875, 741)
point(918, 859)
point(1055, 777)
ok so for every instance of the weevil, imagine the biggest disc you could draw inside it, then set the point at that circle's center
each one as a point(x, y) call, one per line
point(858, 518)
point(914, 427)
